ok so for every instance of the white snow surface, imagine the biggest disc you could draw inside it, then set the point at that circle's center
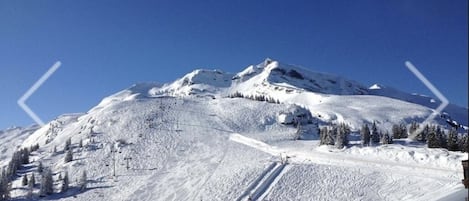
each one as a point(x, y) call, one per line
point(11, 139)
point(188, 141)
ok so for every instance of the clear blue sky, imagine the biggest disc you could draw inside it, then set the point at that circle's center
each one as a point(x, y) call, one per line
point(106, 46)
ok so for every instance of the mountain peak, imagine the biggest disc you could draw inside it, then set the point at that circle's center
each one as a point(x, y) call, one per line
point(280, 76)
point(376, 86)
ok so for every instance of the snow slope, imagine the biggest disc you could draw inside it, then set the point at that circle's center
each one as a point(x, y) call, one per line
point(457, 113)
point(188, 140)
point(11, 139)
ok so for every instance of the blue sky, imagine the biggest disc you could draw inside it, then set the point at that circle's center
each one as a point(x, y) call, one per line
point(107, 46)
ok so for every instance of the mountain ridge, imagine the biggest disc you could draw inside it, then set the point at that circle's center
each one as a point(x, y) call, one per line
point(277, 80)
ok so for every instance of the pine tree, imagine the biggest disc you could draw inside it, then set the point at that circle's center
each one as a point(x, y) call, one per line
point(453, 140)
point(339, 139)
point(331, 135)
point(47, 183)
point(443, 139)
point(65, 182)
point(342, 132)
point(68, 156)
point(375, 137)
point(365, 135)
point(24, 181)
point(68, 143)
point(29, 195)
point(327, 136)
point(32, 180)
point(40, 168)
point(80, 144)
point(422, 135)
point(403, 131)
point(433, 140)
point(83, 181)
point(25, 155)
point(396, 131)
point(464, 143)
point(323, 136)
point(4, 186)
point(54, 150)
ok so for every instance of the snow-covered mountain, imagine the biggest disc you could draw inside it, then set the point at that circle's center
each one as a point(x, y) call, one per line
point(457, 113)
point(197, 139)
point(276, 76)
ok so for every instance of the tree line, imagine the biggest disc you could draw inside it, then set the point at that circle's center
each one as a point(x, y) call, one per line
point(433, 135)
point(268, 99)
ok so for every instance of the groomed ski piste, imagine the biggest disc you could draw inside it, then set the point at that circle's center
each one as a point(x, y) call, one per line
point(194, 142)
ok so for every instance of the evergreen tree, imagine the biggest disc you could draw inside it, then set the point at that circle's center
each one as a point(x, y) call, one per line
point(325, 136)
point(68, 143)
point(4, 186)
point(34, 147)
point(342, 132)
point(443, 138)
point(339, 139)
point(54, 150)
point(80, 144)
point(433, 140)
point(365, 135)
point(422, 136)
point(40, 168)
point(65, 182)
point(322, 136)
point(29, 195)
point(375, 137)
point(83, 181)
point(68, 156)
point(464, 143)
point(24, 181)
point(403, 131)
point(25, 155)
point(47, 183)
point(331, 135)
point(32, 180)
point(453, 140)
point(396, 131)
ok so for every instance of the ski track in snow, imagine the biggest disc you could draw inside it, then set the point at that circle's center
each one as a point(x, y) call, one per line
point(436, 175)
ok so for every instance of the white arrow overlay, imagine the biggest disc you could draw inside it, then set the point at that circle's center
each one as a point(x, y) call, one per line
point(33, 88)
point(434, 90)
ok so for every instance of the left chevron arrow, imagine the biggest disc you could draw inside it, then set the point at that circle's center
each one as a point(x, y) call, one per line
point(21, 101)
